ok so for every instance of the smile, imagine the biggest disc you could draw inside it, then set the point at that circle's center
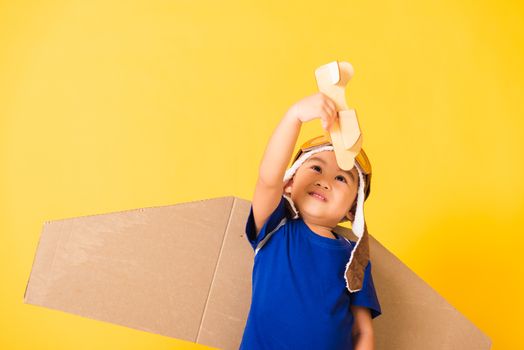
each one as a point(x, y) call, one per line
point(318, 196)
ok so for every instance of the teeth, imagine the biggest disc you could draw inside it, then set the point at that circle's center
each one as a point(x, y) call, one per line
point(318, 196)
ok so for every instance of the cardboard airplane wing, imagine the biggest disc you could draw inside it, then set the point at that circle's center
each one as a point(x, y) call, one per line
point(184, 271)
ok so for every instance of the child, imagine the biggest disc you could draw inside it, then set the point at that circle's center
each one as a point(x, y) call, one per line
point(300, 297)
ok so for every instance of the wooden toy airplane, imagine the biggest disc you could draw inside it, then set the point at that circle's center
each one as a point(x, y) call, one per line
point(344, 134)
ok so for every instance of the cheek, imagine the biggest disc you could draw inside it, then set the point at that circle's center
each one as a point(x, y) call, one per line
point(303, 179)
point(347, 194)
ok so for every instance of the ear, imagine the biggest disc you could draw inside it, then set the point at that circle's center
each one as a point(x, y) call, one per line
point(351, 213)
point(288, 187)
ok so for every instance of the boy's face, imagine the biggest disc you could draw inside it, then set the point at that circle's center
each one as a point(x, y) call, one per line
point(320, 174)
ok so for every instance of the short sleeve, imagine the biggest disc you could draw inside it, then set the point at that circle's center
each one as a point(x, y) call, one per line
point(367, 296)
point(270, 225)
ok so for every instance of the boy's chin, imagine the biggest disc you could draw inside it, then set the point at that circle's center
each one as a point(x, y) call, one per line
point(318, 217)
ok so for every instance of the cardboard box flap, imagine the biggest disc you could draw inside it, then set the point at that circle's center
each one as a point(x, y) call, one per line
point(184, 271)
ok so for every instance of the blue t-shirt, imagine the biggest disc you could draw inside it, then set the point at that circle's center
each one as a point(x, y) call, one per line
point(299, 295)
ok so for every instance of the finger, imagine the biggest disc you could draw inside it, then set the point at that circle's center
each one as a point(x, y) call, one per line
point(332, 104)
point(332, 119)
point(324, 117)
point(330, 115)
point(328, 101)
point(328, 110)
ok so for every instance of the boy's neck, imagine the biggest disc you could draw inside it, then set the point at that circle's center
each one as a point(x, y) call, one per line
point(320, 230)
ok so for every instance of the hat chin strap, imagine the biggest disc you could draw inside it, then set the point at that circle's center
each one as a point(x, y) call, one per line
point(358, 223)
point(360, 253)
point(357, 263)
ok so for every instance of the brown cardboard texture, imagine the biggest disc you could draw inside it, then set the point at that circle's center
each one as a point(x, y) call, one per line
point(184, 271)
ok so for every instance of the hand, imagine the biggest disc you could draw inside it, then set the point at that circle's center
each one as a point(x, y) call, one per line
point(315, 106)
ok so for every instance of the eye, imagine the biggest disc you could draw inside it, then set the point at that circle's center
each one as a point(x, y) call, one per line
point(341, 177)
point(316, 167)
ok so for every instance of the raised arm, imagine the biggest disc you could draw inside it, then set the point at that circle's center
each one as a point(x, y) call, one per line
point(269, 186)
point(279, 149)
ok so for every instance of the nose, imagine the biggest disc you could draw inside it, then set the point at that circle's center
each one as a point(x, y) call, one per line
point(323, 183)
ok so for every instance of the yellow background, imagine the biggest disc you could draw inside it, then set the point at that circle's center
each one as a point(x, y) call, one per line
point(108, 105)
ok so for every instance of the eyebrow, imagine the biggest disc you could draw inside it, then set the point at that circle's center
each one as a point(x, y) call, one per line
point(324, 162)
